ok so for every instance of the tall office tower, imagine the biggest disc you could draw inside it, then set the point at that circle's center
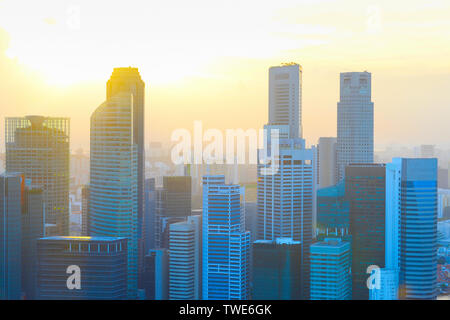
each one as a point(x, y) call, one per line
point(277, 269)
point(226, 244)
point(412, 208)
point(156, 274)
point(330, 270)
point(113, 195)
point(285, 199)
point(354, 121)
point(38, 147)
point(128, 80)
point(333, 211)
point(173, 204)
point(11, 195)
point(99, 263)
point(85, 210)
point(365, 189)
point(285, 97)
point(326, 162)
point(32, 230)
point(185, 259)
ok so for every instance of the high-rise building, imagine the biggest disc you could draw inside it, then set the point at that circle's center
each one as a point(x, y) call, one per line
point(85, 210)
point(330, 270)
point(32, 229)
point(185, 259)
point(277, 269)
point(11, 196)
point(365, 186)
point(99, 263)
point(173, 204)
point(286, 197)
point(333, 211)
point(156, 274)
point(354, 121)
point(128, 80)
point(412, 206)
point(113, 194)
point(285, 97)
point(387, 289)
point(150, 215)
point(226, 244)
point(38, 147)
point(326, 162)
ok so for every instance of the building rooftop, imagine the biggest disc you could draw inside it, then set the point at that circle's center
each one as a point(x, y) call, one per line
point(80, 238)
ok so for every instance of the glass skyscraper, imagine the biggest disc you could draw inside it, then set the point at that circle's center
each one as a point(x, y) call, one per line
point(226, 244)
point(38, 147)
point(354, 121)
point(11, 193)
point(277, 269)
point(413, 211)
point(365, 186)
point(113, 194)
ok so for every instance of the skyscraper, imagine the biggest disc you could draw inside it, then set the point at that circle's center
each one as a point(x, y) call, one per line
point(113, 197)
point(277, 269)
point(226, 244)
point(102, 263)
point(285, 199)
point(156, 274)
point(326, 162)
point(11, 195)
point(173, 204)
point(354, 121)
point(413, 207)
point(38, 147)
point(32, 229)
point(333, 211)
point(128, 80)
point(365, 186)
point(330, 270)
point(185, 259)
point(285, 97)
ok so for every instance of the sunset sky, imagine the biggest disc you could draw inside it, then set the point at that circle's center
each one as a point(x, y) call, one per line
point(208, 60)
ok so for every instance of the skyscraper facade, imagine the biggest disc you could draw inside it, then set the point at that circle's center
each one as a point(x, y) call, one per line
point(277, 269)
point(365, 186)
point(226, 244)
point(173, 204)
point(156, 274)
point(285, 97)
point(330, 270)
point(102, 263)
point(413, 206)
point(38, 147)
point(11, 195)
point(185, 259)
point(128, 80)
point(113, 197)
point(354, 121)
point(85, 210)
point(33, 214)
point(285, 199)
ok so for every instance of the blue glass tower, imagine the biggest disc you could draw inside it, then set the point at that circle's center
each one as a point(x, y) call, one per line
point(113, 197)
point(226, 244)
point(11, 195)
point(417, 258)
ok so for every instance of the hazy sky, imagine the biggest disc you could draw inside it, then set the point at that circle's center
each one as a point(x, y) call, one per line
point(208, 60)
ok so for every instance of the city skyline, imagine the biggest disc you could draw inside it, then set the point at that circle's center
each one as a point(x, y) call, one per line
point(405, 90)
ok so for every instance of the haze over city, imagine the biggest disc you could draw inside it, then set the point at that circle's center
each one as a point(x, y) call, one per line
point(209, 61)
